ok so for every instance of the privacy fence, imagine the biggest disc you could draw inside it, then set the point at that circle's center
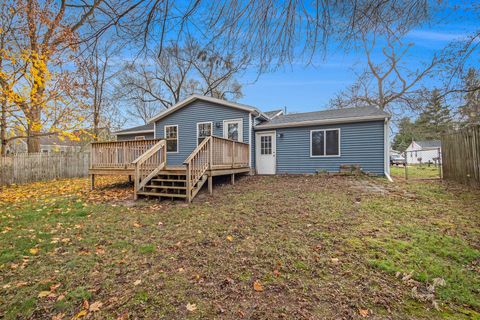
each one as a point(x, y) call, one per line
point(24, 168)
point(461, 156)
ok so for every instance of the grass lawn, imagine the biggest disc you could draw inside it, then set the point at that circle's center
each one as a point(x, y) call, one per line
point(415, 172)
point(299, 247)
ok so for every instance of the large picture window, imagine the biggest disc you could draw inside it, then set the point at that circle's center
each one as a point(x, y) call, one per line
point(325, 143)
point(204, 129)
point(171, 135)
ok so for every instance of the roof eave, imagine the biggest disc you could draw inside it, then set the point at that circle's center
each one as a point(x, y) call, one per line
point(194, 97)
point(119, 133)
point(322, 122)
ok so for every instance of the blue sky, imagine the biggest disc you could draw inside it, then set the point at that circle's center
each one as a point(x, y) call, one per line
point(303, 88)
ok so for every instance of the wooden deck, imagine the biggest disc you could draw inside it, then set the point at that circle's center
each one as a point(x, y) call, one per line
point(146, 161)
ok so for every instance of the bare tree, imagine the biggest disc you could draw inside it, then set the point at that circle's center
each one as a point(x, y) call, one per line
point(388, 83)
point(164, 79)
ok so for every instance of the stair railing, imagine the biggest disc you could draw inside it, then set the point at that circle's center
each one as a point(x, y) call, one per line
point(149, 164)
point(197, 164)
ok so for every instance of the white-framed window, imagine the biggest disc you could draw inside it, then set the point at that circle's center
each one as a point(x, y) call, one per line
point(204, 129)
point(171, 135)
point(325, 143)
point(233, 129)
point(266, 145)
point(139, 137)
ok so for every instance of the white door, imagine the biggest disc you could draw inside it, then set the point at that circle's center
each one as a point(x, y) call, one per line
point(233, 129)
point(266, 146)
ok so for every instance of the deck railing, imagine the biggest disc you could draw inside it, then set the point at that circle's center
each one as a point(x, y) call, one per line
point(118, 154)
point(149, 164)
point(229, 153)
point(214, 153)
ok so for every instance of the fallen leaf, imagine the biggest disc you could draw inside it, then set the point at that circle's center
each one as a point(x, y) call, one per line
point(276, 273)
point(86, 304)
point(95, 306)
point(58, 316)
point(43, 294)
point(191, 307)
point(33, 250)
point(335, 260)
point(136, 283)
point(230, 238)
point(363, 312)
point(81, 314)
point(257, 286)
point(136, 225)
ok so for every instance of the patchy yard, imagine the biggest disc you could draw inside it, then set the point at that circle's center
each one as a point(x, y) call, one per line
point(269, 247)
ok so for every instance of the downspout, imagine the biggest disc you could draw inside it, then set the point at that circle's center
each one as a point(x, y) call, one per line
point(386, 146)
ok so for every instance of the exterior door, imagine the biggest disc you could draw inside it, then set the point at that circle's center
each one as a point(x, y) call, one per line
point(233, 129)
point(266, 146)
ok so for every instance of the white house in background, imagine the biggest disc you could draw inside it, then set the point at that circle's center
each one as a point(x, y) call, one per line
point(426, 151)
point(48, 144)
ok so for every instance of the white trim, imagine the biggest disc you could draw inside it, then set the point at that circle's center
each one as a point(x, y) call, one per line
point(240, 128)
point(325, 143)
point(386, 146)
point(319, 122)
point(143, 138)
point(277, 114)
point(178, 136)
point(154, 130)
point(274, 150)
point(132, 132)
point(211, 128)
point(250, 134)
point(194, 97)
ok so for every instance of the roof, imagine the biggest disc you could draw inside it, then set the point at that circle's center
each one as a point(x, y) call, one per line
point(326, 116)
point(425, 144)
point(54, 140)
point(194, 97)
point(149, 127)
point(273, 113)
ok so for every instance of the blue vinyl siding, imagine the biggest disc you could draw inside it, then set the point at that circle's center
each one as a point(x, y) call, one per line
point(187, 118)
point(123, 137)
point(360, 143)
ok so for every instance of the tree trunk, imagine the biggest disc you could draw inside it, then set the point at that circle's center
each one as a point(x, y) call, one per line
point(3, 128)
point(33, 132)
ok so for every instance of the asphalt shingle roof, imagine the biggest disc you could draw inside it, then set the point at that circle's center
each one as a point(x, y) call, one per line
point(272, 113)
point(149, 126)
point(332, 114)
point(429, 143)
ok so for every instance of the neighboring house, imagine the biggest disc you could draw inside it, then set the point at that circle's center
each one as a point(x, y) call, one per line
point(48, 144)
point(280, 143)
point(426, 151)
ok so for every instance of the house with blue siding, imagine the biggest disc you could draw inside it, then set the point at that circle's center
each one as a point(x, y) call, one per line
point(203, 136)
point(297, 143)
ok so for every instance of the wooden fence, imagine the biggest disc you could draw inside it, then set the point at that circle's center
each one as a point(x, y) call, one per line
point(461, 156)
point(24, 168)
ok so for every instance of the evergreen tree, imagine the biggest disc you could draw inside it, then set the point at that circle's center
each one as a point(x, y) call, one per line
point(407, 132)
point(435, 118)
point(470, 110)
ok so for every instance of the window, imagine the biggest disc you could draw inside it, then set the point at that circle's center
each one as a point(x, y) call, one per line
point(139, 137)
point(232, 129)
point(204, 129)
point(171, 135)
point(325, 143)
point(265, 145)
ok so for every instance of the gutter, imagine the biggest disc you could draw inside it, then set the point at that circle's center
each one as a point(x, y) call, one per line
point(132, 132)
point(386, 146)
point(320, 122)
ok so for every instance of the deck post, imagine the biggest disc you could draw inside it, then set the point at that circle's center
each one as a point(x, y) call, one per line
point(233, 178)
point(92, 182)
point(210, 184)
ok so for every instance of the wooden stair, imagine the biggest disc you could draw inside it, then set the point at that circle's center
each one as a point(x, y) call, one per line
point(170, 184)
